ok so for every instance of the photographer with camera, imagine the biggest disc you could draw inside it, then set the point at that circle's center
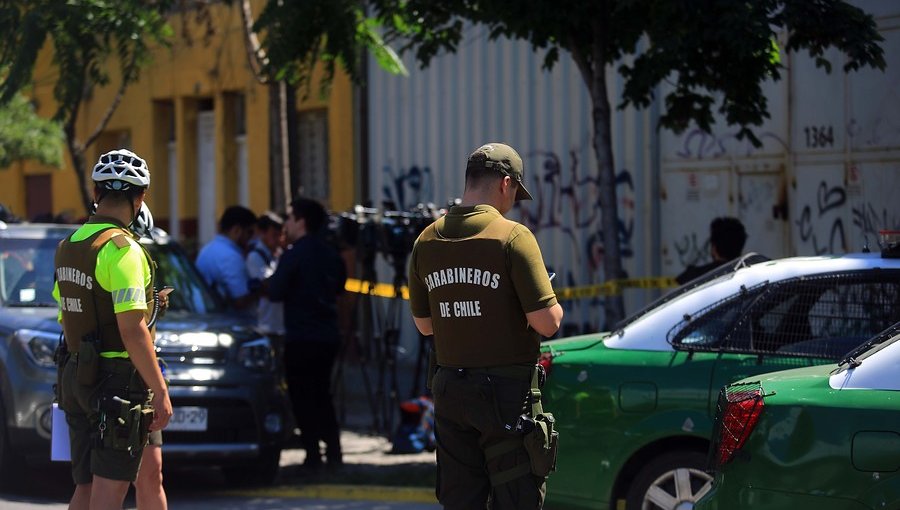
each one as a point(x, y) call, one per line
point(477, 282)
point(310, 276)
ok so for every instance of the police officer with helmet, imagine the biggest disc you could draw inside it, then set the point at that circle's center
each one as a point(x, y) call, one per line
point(477, 282)
point(109, 383)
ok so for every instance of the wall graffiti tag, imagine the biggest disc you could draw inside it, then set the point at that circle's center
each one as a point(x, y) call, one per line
point(408, 188)
point(698, 144)
point(829, 200)
point(869, 221)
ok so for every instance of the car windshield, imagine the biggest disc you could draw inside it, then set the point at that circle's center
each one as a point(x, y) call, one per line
point(175, 270)
point(26, 275)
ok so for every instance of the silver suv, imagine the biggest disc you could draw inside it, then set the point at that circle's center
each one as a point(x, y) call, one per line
point(230, 408)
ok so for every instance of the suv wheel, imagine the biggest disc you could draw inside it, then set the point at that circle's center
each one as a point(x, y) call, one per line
point(261, 472)
point(673, 481)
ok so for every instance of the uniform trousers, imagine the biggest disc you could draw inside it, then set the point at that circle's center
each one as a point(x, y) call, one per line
point(474, 410)
point(116, 378)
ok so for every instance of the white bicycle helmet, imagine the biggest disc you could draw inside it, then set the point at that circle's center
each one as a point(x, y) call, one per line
point(121, 169)
point(142, 226)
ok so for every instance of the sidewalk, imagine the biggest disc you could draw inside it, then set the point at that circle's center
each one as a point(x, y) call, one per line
point(370, 471)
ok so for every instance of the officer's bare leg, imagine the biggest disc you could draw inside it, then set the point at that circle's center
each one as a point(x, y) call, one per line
point(81, 498)
point(108, 494)
point(148, 487)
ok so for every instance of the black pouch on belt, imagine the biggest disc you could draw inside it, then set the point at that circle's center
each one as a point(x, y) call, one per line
point(542, 441)
point(88, 360)
point(541, 444)
point(60, 357)
point(127, 424)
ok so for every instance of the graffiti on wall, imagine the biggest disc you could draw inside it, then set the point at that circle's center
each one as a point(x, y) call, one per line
point(697, 144)
point(823, 216)
point(692, 249)
point(406, 188)
point(832, 223)
point(566, 201)
point(868, 220)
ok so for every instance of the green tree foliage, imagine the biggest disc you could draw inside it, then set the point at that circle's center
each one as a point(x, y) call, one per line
point(25, 135)
point(85, 36)
point(716, 53)
point(298, 35)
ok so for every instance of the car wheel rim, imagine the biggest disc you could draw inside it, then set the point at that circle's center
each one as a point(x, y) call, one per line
point(677, 489)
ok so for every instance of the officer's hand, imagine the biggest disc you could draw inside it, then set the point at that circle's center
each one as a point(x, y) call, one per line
point(162, 410)
point(163, 296)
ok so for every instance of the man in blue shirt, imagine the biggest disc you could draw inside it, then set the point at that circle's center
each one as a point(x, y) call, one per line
point(309, 278)
point(222, 261)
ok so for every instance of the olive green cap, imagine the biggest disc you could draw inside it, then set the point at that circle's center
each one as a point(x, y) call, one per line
point(505, 160)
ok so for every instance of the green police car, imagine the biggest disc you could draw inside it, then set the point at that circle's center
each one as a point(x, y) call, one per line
point(635, 407)
point(825, 437)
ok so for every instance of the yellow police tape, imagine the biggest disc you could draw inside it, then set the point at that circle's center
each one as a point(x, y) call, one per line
point(610, 288)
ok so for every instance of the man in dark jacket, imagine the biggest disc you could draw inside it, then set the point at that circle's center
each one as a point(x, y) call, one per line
point(726, 241)
point(309, 278)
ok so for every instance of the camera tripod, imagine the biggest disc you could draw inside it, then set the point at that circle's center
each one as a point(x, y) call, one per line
point(375, 339)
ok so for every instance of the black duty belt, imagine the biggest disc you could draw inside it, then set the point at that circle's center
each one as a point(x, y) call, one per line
point(116, 366)
point(510, 371)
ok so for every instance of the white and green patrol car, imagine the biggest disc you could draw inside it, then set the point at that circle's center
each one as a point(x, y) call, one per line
point(635, 406)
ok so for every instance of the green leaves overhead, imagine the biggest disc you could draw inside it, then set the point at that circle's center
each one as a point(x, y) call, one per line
point(24, 135)
point(83, 35)
point(368, 34)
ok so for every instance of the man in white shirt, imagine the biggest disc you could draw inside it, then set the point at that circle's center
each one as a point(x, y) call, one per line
point(261, 263)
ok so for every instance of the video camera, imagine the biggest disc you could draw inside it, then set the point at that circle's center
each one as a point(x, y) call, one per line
point(387, 231)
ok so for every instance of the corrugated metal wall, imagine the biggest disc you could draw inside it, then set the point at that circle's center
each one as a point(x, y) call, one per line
point(825, 179)
point(423, 127)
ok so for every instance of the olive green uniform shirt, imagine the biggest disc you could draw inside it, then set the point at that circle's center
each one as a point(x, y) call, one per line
point(476, 274)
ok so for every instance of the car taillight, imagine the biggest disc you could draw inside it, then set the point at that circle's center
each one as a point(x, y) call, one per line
point(546, 361)
point(739, 408)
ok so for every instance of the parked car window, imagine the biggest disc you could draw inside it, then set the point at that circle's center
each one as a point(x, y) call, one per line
point(710, 327)
point(26, 272)
point(175, 270)
point(824, 316)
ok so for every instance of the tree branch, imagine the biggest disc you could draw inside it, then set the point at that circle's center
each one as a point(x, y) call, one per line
point(106, 116)
point(256, 56)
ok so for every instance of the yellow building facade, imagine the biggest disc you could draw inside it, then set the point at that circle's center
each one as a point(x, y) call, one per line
point(201, 120)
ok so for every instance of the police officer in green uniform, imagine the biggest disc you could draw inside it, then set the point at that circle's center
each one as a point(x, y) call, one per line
point(110, 384)
point(477, 282)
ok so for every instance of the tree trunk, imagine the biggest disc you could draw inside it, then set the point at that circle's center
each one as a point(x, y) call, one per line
point(79, 166)
point(279, 146)
point(602, 141)
point(76, 154)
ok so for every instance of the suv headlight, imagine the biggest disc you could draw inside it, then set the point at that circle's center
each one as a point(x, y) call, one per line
point(257, 354)
point(38, 345)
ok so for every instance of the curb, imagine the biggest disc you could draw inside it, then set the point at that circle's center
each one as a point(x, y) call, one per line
point(350, 492)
